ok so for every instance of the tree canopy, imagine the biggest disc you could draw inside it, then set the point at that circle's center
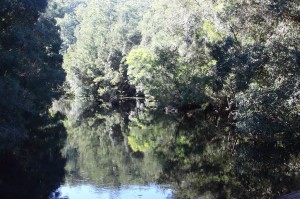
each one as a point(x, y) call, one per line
point(30, 65)
point(240, 57)
point(233, 62)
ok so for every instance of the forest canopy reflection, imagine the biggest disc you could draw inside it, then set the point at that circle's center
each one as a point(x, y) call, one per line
point(188, 151)
point(97, 148)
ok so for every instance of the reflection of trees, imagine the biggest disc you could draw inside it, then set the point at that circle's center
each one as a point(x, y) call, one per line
point(34, 168)
point(97, 149)
point(271, 165)
point(149, 129)
point(196, 153)
point(195, 160)
point(202, 160)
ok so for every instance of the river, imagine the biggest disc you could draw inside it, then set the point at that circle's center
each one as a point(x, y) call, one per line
point(130, 151)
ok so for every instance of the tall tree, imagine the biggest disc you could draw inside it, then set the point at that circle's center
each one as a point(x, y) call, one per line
point(30, 65)
point(105, 32)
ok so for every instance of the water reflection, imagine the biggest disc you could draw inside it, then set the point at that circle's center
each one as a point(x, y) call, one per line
point(209, 161)
point(33, 167)
point(131, 191)
point(101, 153)
point(114, 151)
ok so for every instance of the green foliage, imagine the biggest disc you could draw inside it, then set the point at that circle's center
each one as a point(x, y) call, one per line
point(97, 36)
point(258, 72)
point(141, 67)
point(238, 57)
point(30, 78)
point(30, 65)
point(209, 29)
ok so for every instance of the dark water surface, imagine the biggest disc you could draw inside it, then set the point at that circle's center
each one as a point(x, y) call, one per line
point(130, 152)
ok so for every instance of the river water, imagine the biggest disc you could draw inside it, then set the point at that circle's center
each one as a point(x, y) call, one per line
point(137, 152)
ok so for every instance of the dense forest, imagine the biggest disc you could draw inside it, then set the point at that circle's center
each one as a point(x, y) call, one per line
point(31, 77)
point(31, 73)
point(237, 58)
point(233, 64)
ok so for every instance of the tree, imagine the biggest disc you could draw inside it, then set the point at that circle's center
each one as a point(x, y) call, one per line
point(30, 65)
point(257, 67)
point(104, 34)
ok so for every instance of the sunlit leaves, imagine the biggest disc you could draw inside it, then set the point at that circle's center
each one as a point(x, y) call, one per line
point(141, 66)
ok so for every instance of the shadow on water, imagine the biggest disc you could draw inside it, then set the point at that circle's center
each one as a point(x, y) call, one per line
point(34, 167)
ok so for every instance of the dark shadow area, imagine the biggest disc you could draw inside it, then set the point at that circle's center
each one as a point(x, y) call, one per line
point(34, 168)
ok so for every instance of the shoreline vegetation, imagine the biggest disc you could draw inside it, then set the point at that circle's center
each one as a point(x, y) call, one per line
point(237, 59)
point(228, 64)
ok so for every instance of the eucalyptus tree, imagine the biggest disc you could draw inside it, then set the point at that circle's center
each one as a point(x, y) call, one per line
point(258, 65)
point(239, 57)
point(173, 61)
point(104, 33)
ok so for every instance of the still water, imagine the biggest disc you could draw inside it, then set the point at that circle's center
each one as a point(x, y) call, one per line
point(137, 152)
point(101, 159)
point(123, 192)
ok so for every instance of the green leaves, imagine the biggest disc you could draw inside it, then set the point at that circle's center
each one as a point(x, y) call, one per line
point(30, 66)
point(104, 33)
point(209, 29)
point(184, 53)
point(141, 66)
